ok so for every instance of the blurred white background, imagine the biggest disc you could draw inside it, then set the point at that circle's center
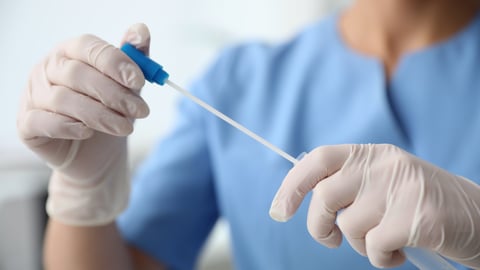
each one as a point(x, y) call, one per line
point(186, 35)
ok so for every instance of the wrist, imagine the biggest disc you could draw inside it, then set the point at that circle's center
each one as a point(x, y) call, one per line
point(87, 205)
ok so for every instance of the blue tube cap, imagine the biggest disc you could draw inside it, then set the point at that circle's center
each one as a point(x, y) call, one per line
point(152, 71)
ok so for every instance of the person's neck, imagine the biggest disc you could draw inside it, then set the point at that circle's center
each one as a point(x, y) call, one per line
point(387, 29)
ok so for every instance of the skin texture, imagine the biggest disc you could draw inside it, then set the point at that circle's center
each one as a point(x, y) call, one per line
point(387, 30)
point(88, 73)
point(99, 247)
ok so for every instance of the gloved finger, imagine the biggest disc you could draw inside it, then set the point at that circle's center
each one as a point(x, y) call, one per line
point(383, 242)
point(39, 123)
point(313, 168)
point(63, 100)
point(383, 246)
point(36, 126)
point(106, 58)
point(139, 36)
point(93, 114)
point(87, 80)
point(357, 219)
point(329, 196)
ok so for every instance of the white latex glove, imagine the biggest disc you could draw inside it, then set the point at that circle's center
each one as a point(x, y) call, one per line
point(76, 112)
point(390, 199)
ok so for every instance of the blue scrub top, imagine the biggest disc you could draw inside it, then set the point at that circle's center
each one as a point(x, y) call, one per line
point(312, 90)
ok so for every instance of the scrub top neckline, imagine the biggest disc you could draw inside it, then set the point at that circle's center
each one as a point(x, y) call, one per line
point(434, 48)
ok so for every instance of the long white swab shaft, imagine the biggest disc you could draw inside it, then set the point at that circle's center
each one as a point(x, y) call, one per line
point(232, 122)
point(424, 260)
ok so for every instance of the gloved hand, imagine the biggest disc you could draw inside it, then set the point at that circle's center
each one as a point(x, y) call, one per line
point(390, 199)
point(76, 112)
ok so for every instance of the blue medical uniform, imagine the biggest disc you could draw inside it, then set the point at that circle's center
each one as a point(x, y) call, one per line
point(310, 91)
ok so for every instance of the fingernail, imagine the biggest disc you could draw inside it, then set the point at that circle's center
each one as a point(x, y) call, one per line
point(123, 129)
point(133, 37)
point(143, 111)
point(137, 34)
point(137, 109)
point(130, 77)
point(132, 108)
point(277, 211)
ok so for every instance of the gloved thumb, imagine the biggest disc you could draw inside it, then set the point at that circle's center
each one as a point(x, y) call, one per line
point(139, 36)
